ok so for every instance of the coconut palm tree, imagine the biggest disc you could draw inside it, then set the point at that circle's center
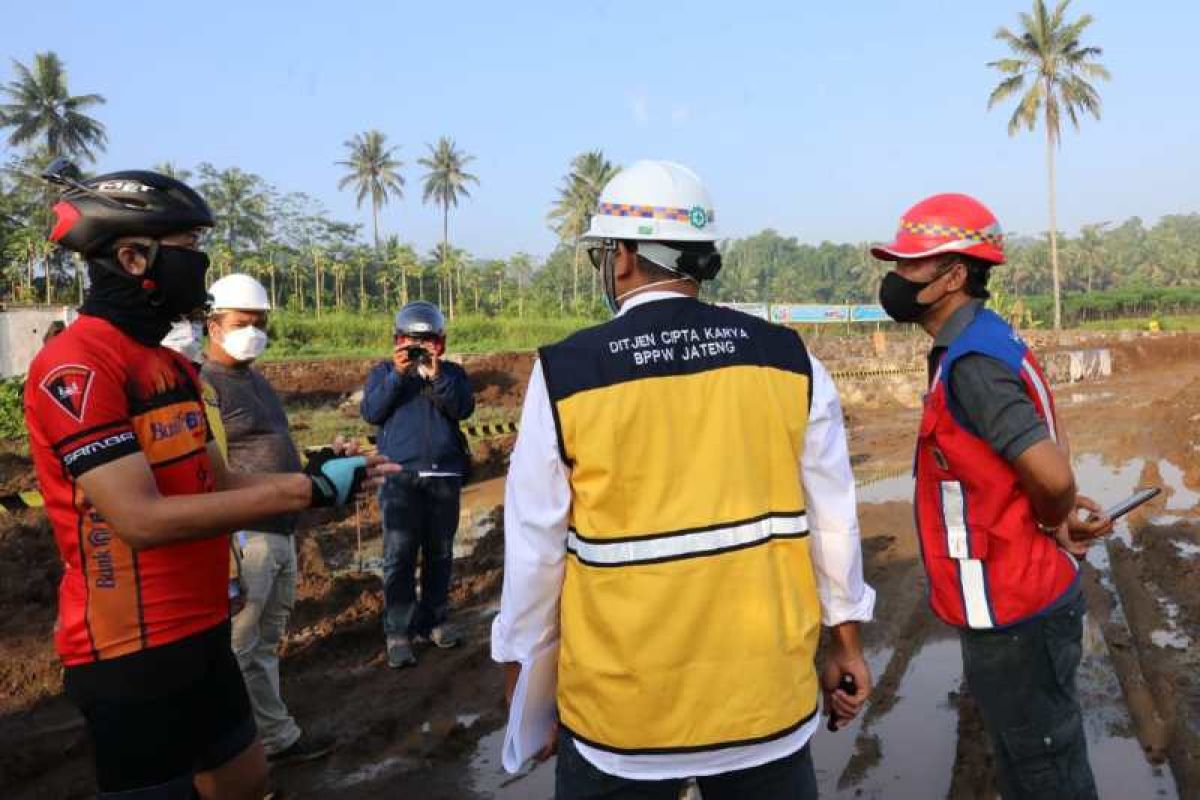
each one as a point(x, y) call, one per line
point(239, 203)
point(41, 111)
point(577, 200)
point(445, 183)
point(373, 171)
point(1050, 68)
point(169, 169)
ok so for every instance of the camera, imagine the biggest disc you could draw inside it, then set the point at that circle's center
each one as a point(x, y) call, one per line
point(417, 354)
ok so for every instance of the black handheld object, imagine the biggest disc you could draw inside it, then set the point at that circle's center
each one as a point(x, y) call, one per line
point(417, 354)
point(1133, 501)
point(848, 685)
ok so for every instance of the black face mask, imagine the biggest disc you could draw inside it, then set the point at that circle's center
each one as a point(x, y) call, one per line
point(144, 307)
point(178, 275)
point(898, 296)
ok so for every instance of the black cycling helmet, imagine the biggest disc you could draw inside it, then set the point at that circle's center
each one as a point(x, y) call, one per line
point(93, 213)
point(420, 319)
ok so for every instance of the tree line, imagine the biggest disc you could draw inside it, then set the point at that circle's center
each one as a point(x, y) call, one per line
point(313, 262)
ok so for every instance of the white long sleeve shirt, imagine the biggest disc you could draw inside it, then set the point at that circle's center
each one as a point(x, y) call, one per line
point(537, 504)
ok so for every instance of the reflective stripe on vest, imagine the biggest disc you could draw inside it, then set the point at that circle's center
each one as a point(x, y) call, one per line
point(648, 550)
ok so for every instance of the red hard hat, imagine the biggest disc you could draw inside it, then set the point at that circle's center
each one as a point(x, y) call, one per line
point(946, 223)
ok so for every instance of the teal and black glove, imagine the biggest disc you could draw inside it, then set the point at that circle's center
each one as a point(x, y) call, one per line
point(335, 479)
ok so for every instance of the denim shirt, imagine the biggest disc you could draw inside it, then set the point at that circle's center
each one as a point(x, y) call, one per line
point(417, 418)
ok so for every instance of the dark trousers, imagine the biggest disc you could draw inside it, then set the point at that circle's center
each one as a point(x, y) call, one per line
point(420, 515)
point(790, 778)
point(1023, 679)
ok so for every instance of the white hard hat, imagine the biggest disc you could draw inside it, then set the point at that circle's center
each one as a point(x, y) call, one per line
point(239, 292)
point(654, 201)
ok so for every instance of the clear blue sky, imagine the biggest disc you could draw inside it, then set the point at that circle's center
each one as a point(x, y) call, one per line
point(822, 120)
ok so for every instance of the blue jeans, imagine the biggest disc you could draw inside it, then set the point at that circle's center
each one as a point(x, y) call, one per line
point(788, 778)
point(420, 515)
point(1023, 679)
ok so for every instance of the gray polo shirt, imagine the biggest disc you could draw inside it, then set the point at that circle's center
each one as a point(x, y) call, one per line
point(257, 429)
point(989, 399)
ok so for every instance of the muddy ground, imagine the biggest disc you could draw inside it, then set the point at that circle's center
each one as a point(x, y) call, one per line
point(433, 731)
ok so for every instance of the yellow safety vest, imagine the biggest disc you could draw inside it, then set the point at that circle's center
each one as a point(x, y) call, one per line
point(212, 412)
point(689, 614)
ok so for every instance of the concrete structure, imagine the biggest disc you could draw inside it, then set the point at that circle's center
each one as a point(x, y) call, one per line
point(21, 332)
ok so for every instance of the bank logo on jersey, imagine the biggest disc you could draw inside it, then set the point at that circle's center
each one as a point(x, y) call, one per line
point(69, 387)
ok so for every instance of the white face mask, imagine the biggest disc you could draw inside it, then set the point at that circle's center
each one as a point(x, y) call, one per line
point(185, 338)
point(244, 344)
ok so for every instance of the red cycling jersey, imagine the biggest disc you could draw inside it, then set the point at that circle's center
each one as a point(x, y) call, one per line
point(93, 395)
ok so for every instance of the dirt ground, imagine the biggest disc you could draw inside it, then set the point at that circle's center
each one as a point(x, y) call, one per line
point(431, 731)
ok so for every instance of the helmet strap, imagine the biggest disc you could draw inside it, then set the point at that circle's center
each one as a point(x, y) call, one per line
point(608, 281)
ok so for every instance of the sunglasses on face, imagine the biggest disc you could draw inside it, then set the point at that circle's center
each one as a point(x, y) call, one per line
point(597, 251)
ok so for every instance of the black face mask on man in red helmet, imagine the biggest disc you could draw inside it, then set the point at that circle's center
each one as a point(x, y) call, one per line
point(898, 296)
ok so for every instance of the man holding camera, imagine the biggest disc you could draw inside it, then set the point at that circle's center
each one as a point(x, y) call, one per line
point(418, 400)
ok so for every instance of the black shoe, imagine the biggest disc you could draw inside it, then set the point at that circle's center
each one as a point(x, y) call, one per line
point(306, 748)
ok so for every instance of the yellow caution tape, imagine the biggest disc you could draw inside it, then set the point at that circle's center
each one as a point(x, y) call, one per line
point(15, 502)
point(875, 373)
point(492, 429)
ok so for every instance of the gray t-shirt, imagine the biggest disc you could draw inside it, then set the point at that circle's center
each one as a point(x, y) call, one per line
point(990, 400)
point(256, 427)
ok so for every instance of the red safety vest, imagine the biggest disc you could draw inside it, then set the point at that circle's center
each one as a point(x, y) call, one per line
point(989, 565)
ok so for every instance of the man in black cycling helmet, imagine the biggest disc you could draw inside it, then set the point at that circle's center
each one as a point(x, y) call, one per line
point(141, 501)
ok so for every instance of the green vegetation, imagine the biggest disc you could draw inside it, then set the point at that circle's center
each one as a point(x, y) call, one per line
point(12, 411)
point(317, 427)
point(1184, 322)
point(345, 334)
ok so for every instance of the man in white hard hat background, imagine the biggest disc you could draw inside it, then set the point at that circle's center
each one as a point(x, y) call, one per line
point(680, 514)
point(258, 440)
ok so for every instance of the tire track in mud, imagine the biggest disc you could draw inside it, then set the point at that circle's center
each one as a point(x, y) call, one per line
point(1168, 697)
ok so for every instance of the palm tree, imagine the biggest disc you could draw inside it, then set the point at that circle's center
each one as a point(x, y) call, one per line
point(445, 183)
point(42, 110)
point(1091, 249)
point(578, 198)
point(318, 278)
point(239, 202)
point(373, 171)
point(1052, 66)
point(169, 169)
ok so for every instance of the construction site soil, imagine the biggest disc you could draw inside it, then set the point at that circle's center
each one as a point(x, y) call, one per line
point(432, 731)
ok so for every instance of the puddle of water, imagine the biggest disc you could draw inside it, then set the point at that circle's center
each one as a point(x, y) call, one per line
point(1172, 639)
point(1182, 498)
point(488, 778)
point(917, 738)
point(898, 488)
point(371, 772)
point(1084, 397)
point(1116, 756)
point(1108, 485)
point(832, 751)
point(1186, 549)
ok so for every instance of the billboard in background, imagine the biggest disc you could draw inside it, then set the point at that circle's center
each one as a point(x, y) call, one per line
point(808, 314)
point(869, 314)
point(753, 309)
